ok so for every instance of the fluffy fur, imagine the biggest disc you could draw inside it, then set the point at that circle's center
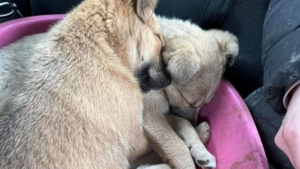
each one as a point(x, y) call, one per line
point(70, 99)
point(196, 60)
point(62, 109)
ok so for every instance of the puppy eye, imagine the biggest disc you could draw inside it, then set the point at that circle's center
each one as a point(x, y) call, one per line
point(159, 36)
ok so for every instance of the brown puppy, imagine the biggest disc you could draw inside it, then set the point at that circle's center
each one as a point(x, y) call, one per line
point(74, 102)
point(196, 60)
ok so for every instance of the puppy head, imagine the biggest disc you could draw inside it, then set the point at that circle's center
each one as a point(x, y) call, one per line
point(145, 46)
point(196, 61)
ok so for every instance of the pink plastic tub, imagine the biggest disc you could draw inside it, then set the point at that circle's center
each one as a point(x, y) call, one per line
point(234, 138)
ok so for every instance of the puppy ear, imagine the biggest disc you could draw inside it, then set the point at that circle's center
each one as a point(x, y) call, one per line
point(145, 8)
point(182, 67)
point(228, 45)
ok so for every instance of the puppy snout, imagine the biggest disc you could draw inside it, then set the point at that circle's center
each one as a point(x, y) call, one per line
point(189, 115)
point(160, 77)
point(153, 77)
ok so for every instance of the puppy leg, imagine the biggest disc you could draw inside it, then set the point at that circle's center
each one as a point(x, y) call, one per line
point(188, 134)
point(160, 134)
point(203, 130)
point(148, 159)
point(158, 166)
point(166, 142)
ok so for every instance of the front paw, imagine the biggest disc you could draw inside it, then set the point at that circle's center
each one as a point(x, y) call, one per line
point(203, 130)
point(180, 158)
point(202, 157)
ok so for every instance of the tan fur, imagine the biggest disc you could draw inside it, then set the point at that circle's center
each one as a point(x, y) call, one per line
point(190, 45)
point(196, 60)
point(162, 137)
point(76, 104)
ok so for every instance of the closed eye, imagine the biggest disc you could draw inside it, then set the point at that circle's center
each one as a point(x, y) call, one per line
point(159, 36)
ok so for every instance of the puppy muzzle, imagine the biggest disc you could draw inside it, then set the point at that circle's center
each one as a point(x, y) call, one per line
point(188, 115)
point(153, 77)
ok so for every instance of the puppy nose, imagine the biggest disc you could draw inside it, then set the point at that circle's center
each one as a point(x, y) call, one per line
point(165, 80)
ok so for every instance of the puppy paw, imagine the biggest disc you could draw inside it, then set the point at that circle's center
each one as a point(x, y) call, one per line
point(203, 130)
point(202, 157)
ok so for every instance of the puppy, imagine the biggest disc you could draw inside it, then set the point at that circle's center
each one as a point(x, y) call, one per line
point(196, 60)
point(69, 97)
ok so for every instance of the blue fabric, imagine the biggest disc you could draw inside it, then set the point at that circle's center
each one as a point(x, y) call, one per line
point(281, 50)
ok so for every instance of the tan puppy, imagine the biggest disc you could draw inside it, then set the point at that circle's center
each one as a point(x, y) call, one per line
point(74, 102)
point(196, 60)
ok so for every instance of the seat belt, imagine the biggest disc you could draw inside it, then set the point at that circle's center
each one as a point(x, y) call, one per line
point(8, 11)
